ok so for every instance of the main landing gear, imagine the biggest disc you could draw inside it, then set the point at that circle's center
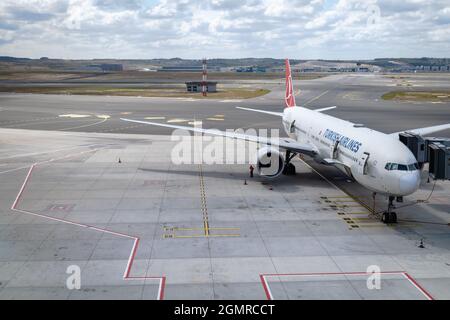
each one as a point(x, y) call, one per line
point(289, 168)
point(389, 216)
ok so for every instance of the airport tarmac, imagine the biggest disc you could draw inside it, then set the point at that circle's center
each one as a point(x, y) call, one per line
point(144, 228)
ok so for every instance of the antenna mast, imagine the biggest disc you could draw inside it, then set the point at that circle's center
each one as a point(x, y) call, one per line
point(204, 78)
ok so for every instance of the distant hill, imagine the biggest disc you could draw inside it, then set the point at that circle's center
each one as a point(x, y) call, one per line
point(13, 59)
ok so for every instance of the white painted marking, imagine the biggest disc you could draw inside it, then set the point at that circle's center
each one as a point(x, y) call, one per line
point(185, 99)
point(74, 116)
point(315, 98)
point(23, 187)
point(155, 118)
point(16, 169)
point(39, 153)
point(230, 101)
point(177, 120)
point(86, 125)
point(103, 116)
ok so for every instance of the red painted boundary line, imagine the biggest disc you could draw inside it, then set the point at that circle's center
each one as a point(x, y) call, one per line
point(418, 286)
point(266, 287)
point(162, 287)
point(126, 276)
point(403, 273)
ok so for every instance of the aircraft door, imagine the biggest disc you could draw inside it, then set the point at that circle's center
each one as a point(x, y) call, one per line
point(292, 128)
point(334, 149)
point(363, 164)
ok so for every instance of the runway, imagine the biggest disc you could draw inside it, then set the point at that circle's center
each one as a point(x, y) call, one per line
point(79, 187)
point(358, 98)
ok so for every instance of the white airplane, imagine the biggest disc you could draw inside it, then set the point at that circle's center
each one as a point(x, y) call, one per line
point(380, 162)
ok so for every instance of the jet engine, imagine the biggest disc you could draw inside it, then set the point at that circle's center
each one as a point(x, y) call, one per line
point(270, 162)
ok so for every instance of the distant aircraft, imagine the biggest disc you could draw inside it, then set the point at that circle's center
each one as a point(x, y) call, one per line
point(380, 162)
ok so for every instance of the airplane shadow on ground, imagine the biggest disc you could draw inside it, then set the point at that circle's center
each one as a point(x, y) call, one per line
point(285, 184)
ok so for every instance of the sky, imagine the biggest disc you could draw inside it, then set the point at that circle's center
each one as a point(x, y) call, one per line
point(299, 29)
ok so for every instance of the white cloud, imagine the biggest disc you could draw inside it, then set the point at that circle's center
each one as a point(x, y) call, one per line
point(330, 29)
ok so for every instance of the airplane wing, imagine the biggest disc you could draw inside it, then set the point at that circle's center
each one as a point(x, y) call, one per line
point(325, 109)
point(283, 143)
point(279, 114)
point(426, 130)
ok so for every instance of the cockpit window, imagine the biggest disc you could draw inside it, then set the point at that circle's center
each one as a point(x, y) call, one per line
point(401, 167)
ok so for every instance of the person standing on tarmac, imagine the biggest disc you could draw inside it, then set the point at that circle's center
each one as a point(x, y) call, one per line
point(252, 168)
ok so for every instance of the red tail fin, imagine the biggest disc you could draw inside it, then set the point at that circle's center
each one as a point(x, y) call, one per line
point(289, 98)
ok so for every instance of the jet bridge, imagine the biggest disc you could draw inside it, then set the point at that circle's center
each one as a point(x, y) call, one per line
point(416, 144)
point(435, 151)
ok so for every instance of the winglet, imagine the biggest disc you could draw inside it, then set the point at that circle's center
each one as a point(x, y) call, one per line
point(289, 97)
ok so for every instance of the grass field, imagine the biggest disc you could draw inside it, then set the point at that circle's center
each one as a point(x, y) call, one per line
point(226, 93)
point(425, 96)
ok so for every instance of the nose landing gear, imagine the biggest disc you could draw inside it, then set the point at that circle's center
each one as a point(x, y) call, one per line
point(389, 216)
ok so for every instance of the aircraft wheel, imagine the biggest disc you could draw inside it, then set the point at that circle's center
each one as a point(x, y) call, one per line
point(386, 217)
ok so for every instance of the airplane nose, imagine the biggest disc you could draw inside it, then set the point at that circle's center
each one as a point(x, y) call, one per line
point(409, 183)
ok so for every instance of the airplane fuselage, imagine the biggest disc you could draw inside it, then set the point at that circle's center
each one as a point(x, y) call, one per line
point(379, 162)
